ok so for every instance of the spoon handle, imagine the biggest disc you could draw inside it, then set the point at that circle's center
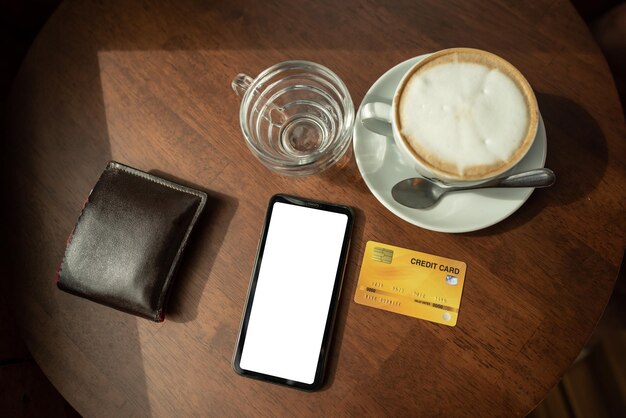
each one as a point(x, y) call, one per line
point(540, 177)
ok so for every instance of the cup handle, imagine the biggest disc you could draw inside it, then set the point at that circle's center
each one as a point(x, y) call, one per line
point(376, 117)
point(241, 83)
point(275, 115)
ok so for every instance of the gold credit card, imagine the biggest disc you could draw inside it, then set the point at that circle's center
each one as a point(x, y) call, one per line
point(411, 283)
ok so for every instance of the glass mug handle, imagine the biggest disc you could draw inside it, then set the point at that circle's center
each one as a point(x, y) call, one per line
point(376, 117)
point(241, 83)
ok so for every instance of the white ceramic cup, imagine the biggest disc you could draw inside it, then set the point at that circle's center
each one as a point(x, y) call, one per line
point(376, 113)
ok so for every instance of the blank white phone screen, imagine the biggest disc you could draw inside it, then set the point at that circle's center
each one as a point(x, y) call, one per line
point(293, 292)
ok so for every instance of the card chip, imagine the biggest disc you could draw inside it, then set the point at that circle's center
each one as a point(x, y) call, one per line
point(382, 255)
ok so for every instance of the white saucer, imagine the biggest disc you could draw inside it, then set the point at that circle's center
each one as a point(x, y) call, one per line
point(382, 166)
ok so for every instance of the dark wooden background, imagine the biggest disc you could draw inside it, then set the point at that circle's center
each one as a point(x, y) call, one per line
point(148, 84)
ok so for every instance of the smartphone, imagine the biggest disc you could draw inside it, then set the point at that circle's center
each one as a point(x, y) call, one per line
point(288, 319)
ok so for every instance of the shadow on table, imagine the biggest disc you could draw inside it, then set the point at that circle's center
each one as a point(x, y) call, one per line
point(50, 161)
point(593, 384)
point(577, 153)
point(204, 244)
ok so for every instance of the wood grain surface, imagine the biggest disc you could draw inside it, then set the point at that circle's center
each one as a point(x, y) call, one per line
point(148, 84)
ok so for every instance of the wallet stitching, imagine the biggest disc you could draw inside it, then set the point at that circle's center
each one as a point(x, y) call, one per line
point(158, 180)
point(183, 242)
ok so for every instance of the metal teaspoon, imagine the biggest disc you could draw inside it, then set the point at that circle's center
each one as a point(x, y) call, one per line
point(420, 193)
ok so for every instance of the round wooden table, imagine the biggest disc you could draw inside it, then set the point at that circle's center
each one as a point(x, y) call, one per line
point(148, 84)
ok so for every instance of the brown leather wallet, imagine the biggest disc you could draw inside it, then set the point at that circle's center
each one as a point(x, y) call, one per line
point(128, 241)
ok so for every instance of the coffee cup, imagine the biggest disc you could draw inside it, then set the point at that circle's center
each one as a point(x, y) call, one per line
point(460, 115)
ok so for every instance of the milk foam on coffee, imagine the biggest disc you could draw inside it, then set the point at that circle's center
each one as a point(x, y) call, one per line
point(463, 116)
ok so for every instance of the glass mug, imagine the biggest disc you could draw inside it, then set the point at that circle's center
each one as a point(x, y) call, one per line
point(296, 117)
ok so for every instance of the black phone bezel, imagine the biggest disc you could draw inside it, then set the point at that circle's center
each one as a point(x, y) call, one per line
point(334, 303)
